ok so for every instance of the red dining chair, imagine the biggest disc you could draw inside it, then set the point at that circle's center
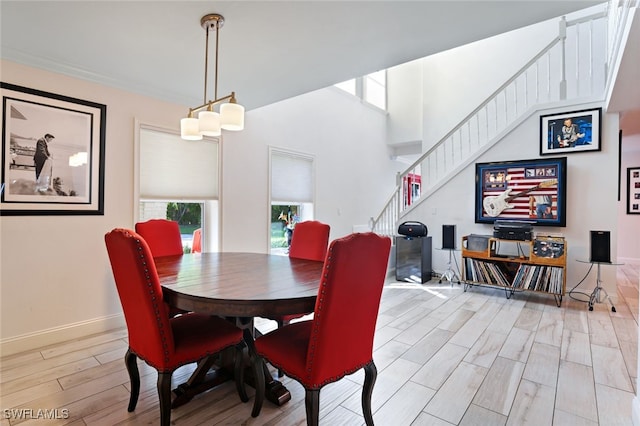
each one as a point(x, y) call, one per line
point(339, 339)
point(162, 236)
point(310, 240)
point(164, 239)
point(162, 342)
point(196, 246)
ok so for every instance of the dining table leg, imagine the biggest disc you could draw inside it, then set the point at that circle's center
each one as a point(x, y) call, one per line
point(275, 391)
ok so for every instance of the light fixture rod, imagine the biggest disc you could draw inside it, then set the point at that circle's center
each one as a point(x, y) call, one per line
point(231, 98)
point(215, 86)
point(212, 21)
point(206, 66)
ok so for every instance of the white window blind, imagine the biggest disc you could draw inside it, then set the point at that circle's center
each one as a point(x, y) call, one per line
point(291, 177)
point(174, 169)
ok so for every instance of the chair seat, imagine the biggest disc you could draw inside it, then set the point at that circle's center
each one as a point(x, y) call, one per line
point(286, 318)
point(195, 334)
point(287, 346)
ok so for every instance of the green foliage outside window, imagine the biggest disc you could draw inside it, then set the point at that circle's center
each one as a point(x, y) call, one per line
point(188, 216)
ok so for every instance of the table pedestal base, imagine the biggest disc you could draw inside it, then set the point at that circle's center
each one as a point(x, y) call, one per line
point(208, 374)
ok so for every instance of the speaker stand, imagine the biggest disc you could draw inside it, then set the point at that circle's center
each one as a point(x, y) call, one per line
point(449, 275)
point(595, 294)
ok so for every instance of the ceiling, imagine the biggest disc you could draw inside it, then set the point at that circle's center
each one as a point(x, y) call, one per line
point(269, 50)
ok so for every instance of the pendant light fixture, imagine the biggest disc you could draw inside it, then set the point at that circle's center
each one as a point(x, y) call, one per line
point(210, 122)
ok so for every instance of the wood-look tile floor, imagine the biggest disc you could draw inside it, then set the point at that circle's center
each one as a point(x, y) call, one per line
point(444, 357)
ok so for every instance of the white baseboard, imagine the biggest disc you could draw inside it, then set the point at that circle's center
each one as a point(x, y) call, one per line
point(39, 339)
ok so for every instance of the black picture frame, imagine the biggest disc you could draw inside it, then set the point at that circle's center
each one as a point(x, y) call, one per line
point(633, 190)
point(569, 132)
point(619, 162)
point(70, 165)
point(513, 191)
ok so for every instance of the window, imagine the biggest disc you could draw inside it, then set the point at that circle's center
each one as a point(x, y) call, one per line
point(291, 186)
point(178, 180)
point(375, 89)
point(348, 86)
point(371, 88)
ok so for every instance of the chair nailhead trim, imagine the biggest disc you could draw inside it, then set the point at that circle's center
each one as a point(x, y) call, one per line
point(154, 299)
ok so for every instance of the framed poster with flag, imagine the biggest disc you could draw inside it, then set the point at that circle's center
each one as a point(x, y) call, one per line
point(528, 190)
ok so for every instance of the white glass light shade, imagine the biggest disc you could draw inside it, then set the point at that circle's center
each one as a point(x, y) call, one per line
point(209, 123)
point(232, 116)
point(190, 129)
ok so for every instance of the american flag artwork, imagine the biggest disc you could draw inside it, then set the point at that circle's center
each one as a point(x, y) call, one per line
point(523, 190)
point(524, 184)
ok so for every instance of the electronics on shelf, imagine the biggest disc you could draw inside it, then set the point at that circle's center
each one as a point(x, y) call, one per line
point(513, 230)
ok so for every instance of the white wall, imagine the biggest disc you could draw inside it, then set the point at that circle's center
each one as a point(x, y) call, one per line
point(404, 102)
point(628, 224)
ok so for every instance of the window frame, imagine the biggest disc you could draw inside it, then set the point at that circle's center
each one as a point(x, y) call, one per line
point(361, 89)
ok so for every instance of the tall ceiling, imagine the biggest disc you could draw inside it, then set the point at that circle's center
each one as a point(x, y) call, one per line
point(269, 50)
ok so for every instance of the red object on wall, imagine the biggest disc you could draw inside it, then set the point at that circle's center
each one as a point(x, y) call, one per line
point(411, 184)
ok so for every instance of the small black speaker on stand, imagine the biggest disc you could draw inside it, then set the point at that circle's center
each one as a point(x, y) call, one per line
point(449, 237)
point(600, 246)
point(449, 243)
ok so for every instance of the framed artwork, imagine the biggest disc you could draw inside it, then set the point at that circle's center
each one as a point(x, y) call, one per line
point(568, 132)
point(52, 153)
point(532, 191)
point(633, 190)
point(619, 162)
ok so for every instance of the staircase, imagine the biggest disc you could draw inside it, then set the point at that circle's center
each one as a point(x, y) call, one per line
point(560, 72)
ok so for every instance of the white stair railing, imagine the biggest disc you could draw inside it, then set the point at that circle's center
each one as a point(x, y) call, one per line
point(560, 71)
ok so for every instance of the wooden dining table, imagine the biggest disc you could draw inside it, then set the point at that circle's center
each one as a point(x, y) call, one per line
point(238, 286)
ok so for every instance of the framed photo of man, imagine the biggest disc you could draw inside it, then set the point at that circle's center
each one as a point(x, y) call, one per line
point(568, 132)
point(52, 153)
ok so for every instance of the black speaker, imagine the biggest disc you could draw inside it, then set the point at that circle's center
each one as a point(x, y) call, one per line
point(413, 229)
point(449, 237)
point(600, 246)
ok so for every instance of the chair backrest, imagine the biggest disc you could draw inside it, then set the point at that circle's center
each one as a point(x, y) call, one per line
point(196, 246)
point(162, 236)
point(347, 306)
point(145, 313)
point(310, 240)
